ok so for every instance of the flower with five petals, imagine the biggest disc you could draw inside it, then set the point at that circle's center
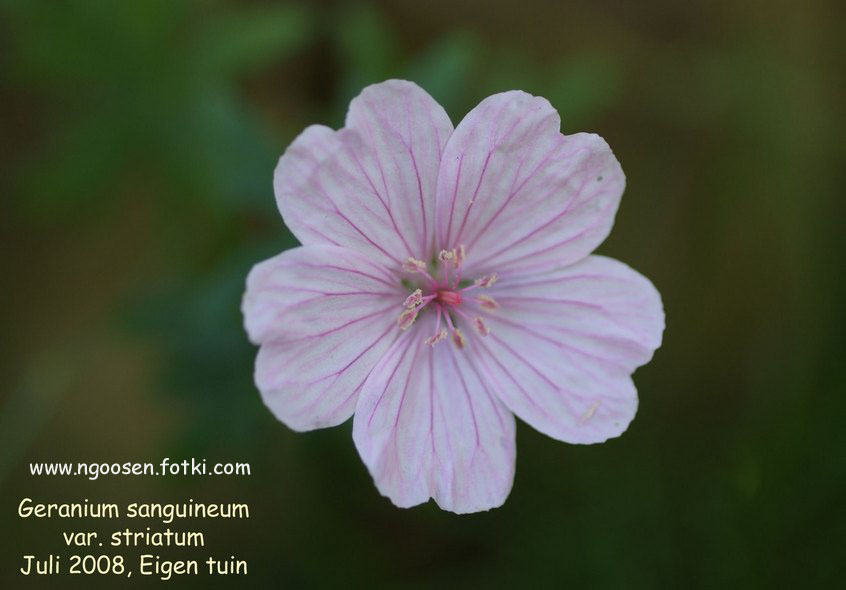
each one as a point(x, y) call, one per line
point(445, 284)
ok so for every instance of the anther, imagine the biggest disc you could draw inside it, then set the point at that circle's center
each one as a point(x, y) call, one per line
point(481, 326)
point(413, 300)
point(446, 255)
point(413, 265)
point(486, 281)
point(432, 340)
point(407, 318)
point(458, 339)
point(486, 302)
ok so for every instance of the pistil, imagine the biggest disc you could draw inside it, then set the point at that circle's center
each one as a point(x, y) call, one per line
point(451, 298)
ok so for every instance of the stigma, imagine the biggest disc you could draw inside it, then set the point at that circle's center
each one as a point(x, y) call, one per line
point(451, 298)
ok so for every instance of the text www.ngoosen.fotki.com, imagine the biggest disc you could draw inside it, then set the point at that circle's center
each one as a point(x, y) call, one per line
point(165, 467)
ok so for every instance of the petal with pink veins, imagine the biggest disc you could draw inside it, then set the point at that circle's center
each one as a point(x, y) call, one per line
point(521, 195)
point(369, 187)
point(563, 344)
point(428, 426)
point(324, 316)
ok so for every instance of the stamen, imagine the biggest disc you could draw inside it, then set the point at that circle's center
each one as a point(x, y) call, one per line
point(413, 300)
point(481, 326)
point(458, 339)
point(460, 256)
point(486, 302)
point(407, 317)
point(413, 265)
point(446, 256)
point(440, 335)
point(478, 323)
point(486, 281)
point(448, 319)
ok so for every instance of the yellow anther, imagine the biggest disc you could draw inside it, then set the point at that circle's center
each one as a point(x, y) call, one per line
point(432, 340)
point(458, 339)
point(413, 300)
point(481, 326)
point(486, 281)
point(486, 302)
point(407, 318)
point(413, 265)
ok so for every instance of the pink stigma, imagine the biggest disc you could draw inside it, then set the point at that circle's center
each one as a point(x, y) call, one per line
point(451, 298)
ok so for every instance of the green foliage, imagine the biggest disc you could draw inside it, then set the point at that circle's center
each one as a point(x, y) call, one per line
point(150, 89)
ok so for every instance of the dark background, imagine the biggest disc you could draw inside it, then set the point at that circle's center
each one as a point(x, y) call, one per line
point(138, 145)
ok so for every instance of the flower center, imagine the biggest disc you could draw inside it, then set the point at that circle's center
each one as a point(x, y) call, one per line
point(451, 304)
point(451, 298)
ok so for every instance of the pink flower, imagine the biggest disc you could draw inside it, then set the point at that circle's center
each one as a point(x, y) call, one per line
point(445, 284)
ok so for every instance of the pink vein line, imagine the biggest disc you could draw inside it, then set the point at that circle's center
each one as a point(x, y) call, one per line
point(497, 143)
point(386, 358)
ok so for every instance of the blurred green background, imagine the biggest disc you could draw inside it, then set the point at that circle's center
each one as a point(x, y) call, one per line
point(138, 146)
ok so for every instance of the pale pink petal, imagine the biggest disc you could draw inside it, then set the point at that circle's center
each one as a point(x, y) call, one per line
point(519, 194)
point(428, 426)
point(563, 344)
point(323, 316)
point(369, 187)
